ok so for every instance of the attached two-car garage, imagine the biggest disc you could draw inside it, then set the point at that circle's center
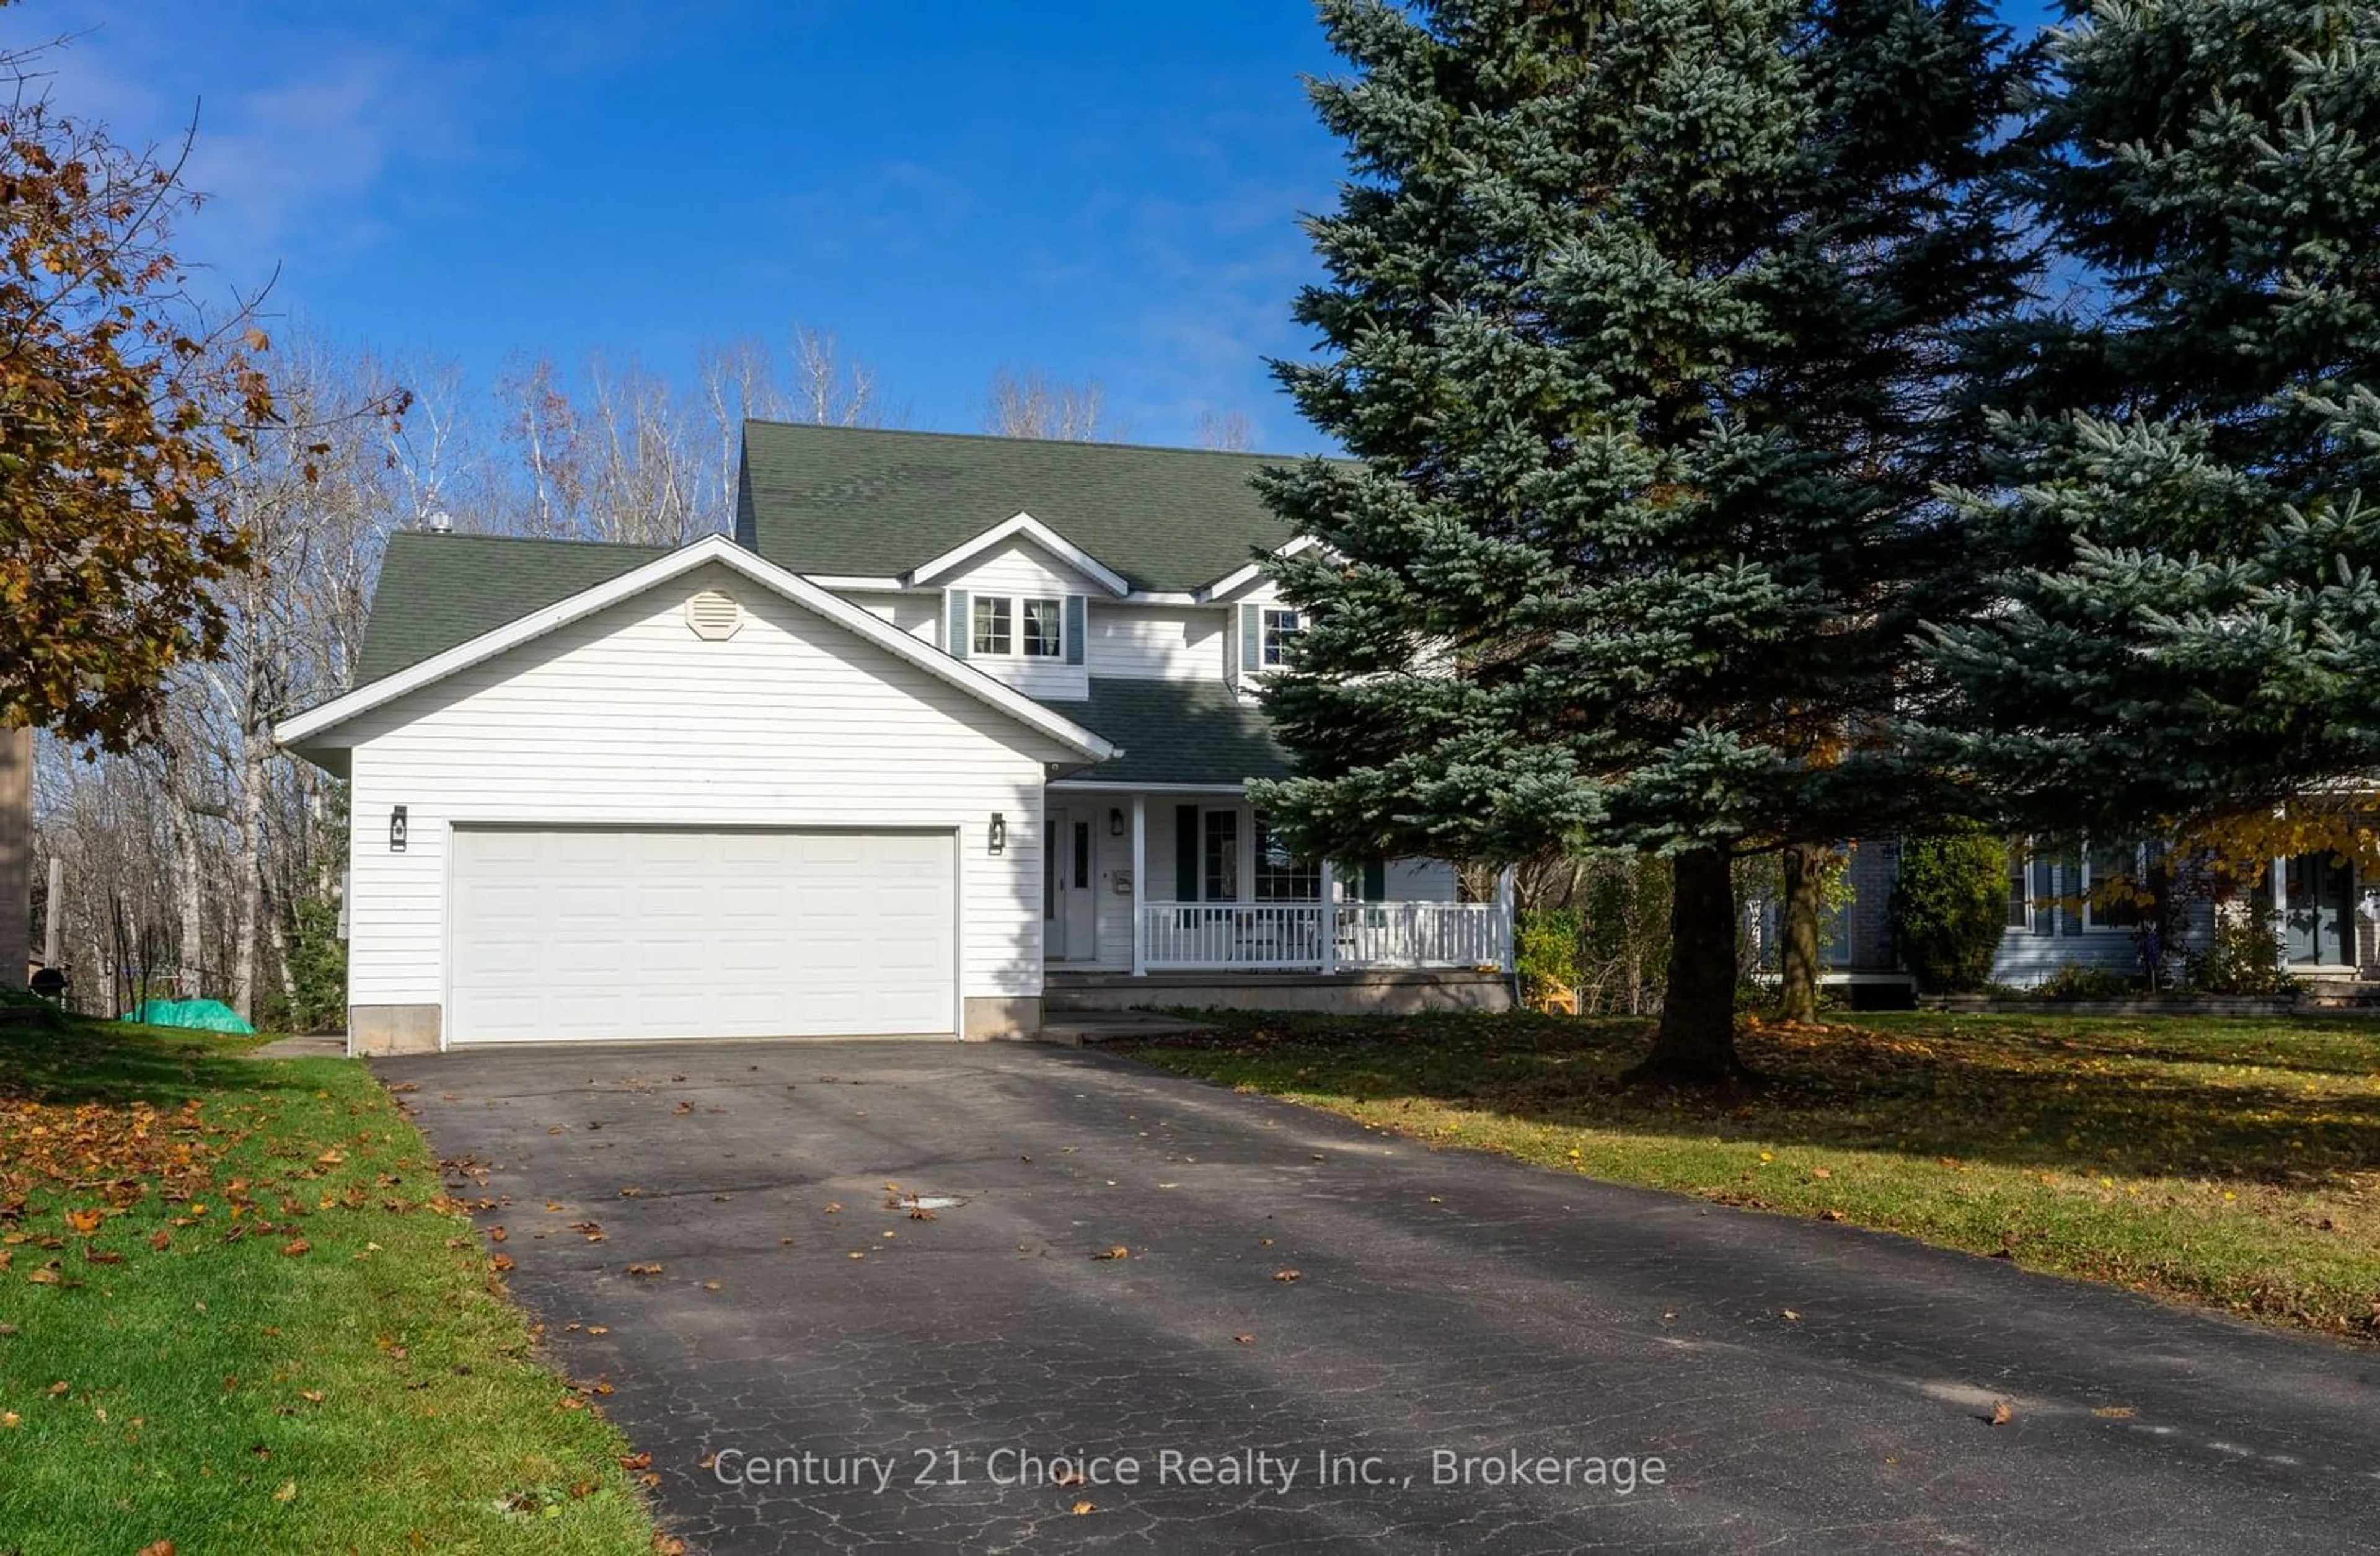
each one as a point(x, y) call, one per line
point(700, 799)
point(580, 933)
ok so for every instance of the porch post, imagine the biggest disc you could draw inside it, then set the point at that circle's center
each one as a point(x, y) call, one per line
point(1139, 885)
point(1504, 913)
point(1329, 922)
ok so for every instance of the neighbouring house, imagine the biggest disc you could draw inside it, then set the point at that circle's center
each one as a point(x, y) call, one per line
point(2326, 921)
point(954, 730)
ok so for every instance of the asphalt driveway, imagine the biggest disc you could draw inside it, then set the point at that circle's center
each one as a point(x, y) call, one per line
point(1472, 1356)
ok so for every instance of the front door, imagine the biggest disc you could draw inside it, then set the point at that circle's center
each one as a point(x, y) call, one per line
point(1069, 906)
point(2317, 911)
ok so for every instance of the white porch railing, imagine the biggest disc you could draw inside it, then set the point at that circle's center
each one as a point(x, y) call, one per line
point(1254, 937)
point(1422, 934)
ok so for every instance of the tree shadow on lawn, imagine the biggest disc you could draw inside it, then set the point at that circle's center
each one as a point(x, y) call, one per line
point(2068, 1093)
point(69, 1060)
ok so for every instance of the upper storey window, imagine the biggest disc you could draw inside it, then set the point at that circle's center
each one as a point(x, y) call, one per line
point(1043, 628)
point(1282, 626)
point(995, 626)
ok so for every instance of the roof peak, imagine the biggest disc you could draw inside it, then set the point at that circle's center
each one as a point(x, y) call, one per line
point(443, 536)
point(1117, 444)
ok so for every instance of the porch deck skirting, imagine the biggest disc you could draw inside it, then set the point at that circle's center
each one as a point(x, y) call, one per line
point(1319, 937)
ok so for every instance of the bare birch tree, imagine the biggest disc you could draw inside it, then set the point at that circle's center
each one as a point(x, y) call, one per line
point(1229, 429)
point(1034, 406)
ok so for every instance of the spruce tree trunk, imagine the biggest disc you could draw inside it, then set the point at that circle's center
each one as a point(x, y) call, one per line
point(1694, 1045)
point(1797, 994)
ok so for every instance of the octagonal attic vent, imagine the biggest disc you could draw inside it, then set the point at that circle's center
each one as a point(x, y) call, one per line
point(714, 614)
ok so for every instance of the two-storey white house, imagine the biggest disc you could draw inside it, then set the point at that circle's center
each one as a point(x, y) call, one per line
point(953, 727)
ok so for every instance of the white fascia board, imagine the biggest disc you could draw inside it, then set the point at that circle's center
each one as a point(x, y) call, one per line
point(1117, 785)
point(1239, 578)
point(1023, 525)
point(1161, 597)
point(873, 586)
point(297, 731)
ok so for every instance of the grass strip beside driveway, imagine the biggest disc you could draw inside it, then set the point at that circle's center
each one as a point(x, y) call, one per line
point(2228, 1163)
point(238, 1313)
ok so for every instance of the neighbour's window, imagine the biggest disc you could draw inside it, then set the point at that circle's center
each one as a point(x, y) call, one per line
point(1280, 627)
point(2114, 871)
point(993, 632)
point(1223, 855)
point(1042, 629)
point(2059, 891)
point(1280, 876)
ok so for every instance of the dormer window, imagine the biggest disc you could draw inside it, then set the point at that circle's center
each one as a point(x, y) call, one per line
point(1012, 627)
point(1281, 625)
point(994, 624)
point(1044, 628)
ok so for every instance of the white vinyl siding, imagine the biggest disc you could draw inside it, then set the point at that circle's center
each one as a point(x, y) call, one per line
point(629, 718)
point(919, 616)
point(1158, 642)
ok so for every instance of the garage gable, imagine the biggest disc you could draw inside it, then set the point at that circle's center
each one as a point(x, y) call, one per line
point(683, 619)
point(704, 675)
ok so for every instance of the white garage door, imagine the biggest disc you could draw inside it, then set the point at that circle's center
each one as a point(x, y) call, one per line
point(577, 933)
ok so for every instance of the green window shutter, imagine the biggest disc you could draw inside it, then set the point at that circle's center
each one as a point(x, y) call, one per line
point(1078, 626)
point(1185, 853)
point(1251, 639)
point(1375, 880)
point(961, 636)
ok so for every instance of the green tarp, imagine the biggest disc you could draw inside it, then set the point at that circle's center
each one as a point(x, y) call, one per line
point(212, 1016)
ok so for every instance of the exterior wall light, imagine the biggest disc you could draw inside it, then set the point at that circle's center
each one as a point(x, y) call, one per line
point(396, 829)
point(1115, 821)
point(998, 836)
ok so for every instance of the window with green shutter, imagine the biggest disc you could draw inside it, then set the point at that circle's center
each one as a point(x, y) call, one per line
point(958, 623)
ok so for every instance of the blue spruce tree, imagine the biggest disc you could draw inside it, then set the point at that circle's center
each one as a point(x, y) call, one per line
point(1644, 325)
point(2184, 622)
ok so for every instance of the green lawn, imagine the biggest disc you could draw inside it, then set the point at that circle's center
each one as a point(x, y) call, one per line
point(2229, 1162)
point(237, 1314)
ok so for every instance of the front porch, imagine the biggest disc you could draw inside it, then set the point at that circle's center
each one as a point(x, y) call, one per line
point(1147, 883)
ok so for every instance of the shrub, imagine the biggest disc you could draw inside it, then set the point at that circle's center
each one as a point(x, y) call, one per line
point(2077, 982)
point(1546, 950)
point(2243, 957)
point(1950, 908)
point(316, 998)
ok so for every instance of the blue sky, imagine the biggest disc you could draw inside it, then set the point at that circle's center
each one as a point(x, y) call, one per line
point(1093, 191)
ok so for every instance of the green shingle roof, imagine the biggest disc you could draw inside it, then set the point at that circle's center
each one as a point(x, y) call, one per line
point(859, 502)
point(1176, 731)
point(438, 591)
